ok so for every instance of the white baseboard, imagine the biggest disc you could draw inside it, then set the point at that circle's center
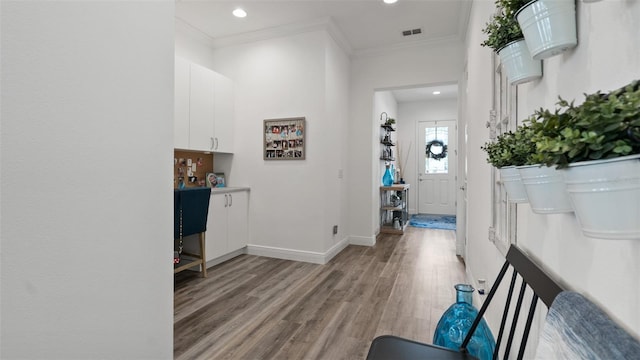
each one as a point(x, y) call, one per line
point(362, 240)
point(223, 258)
point(298, 255)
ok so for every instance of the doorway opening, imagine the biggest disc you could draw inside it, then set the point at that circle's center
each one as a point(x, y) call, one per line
point(428, 140)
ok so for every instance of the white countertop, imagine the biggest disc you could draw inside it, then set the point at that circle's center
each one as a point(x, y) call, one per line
point(229, 189)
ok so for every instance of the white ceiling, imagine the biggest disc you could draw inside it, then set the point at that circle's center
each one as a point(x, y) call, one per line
point(447, 91)
point(365, 24)
point(360, 26)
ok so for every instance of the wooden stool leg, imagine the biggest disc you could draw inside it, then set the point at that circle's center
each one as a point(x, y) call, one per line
point(203, 254)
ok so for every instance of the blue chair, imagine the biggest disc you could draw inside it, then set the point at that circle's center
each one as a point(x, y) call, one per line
point(190, 211)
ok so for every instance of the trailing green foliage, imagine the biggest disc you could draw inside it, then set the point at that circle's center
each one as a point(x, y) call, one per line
point(604, 126)
point(514, 5)
point(511, 148)
point(502, 28)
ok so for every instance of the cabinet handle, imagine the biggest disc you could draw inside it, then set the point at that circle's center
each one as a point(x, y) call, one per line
point(230, 200)
point(212, 143)
point(216, 143)
point(226, 200)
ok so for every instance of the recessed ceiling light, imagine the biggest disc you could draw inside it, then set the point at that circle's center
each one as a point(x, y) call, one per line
point(239, 13)
point(436, 92)
point(390, 1)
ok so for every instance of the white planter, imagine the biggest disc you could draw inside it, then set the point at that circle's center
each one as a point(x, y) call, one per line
point(519, 64)
point(606, 196)
point(546, 189)
point(548, 26)
point(512, 182)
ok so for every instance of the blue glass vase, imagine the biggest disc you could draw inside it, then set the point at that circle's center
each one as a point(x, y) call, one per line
point(387, 178)
point(456, 322)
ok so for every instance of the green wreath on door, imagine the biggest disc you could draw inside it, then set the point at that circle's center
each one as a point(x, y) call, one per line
point(436, 149)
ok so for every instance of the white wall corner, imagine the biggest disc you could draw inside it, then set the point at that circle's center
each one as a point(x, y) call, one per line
point(336, 249)
point(362, 240)
point(183, 27)
point(339, 37)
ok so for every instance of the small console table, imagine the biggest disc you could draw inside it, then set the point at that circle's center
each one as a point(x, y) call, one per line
point(394, 208)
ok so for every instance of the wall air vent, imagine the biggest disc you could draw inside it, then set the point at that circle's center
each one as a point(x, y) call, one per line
point(411, 32)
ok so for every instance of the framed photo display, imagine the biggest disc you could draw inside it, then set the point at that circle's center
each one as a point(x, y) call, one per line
point(284, 139)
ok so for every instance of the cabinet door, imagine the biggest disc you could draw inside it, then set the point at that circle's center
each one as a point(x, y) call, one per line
point(181, 104)
point(224, 114)
point(202, 109)
point(216, 237)
point(238, 231)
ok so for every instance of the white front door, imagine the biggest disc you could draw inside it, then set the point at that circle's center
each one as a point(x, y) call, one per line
point(437, 167)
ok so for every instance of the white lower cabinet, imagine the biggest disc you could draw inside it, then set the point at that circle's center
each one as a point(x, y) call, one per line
point(227, 223)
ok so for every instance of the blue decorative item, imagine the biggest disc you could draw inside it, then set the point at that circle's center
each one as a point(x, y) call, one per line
point(456, 322)
point(387, 178)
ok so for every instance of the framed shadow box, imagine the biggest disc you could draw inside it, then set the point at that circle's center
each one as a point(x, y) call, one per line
point(284, 139)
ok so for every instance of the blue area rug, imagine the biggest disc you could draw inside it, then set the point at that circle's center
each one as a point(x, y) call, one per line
point(444, 222)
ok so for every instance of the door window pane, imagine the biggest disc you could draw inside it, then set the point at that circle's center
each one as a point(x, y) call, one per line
point(431, 165)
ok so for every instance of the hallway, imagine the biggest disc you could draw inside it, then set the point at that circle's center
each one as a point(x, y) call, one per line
point(261, 308)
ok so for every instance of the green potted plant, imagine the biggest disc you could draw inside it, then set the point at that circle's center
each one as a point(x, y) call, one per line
point(505, 153)
point(545, 186)
point(505, 37)
point(597, 145)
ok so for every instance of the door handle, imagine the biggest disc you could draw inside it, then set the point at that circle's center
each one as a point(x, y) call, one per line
point(230, 200)
point(216, 143)
point(212, 144)
point(226, 200)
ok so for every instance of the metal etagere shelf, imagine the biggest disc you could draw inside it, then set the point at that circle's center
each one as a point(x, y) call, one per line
point(394, 206)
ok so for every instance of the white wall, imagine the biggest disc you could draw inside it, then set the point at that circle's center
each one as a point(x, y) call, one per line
point(409, 114)
point(294, 204)
point(410, 67)
point(606, 271)
point(87, 106)
point(337, 105)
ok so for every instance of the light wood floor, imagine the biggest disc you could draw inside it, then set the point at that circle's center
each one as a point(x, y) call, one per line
point(260, 308)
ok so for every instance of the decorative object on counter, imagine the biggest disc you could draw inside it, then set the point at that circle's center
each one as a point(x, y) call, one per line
point(456, 322)
point(220, 180)
point(212, 180)
point(387, 179)
point(284, 139)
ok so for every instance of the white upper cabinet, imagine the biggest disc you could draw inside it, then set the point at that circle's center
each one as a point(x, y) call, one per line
point(204, 109)
point(224, 114)
point(181, 106)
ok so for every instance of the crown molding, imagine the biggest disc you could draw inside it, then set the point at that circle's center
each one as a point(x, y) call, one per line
point(325, 23)
point(183, 27)
point(383, 50)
